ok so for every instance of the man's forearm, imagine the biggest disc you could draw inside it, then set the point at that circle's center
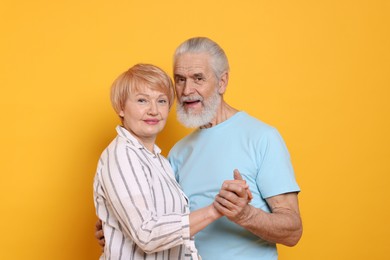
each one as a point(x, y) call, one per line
point(282, 226)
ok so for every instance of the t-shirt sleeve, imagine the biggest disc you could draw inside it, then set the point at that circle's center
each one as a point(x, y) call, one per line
point(276, 174)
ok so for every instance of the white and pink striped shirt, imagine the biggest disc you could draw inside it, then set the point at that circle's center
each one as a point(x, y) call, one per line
point(145, 213)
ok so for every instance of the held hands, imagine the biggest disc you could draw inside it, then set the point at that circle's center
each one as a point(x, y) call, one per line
point(233, 198)
point(232, 202)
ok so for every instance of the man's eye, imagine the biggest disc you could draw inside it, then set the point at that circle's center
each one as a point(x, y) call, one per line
point(180, 80)
point(197, 79)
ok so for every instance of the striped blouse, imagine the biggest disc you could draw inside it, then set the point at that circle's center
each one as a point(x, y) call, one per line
point(145, 213)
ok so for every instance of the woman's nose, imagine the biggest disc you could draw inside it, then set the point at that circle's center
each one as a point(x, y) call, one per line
point(153, 109)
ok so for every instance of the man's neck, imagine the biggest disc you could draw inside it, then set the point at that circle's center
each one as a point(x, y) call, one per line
point(224, 112)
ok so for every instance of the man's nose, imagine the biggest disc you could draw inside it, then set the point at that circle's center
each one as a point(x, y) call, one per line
point(188, 88)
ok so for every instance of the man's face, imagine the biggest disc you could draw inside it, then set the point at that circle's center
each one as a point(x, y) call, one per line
point(196, 89)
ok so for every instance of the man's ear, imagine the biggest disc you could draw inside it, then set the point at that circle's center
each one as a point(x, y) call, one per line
point(223, 82)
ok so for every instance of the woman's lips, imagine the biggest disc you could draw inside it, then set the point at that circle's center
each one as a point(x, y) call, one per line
point(152, 121)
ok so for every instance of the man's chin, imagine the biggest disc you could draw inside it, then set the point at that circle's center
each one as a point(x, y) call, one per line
point(192, 111)
point(196, 117)
point(191, 120)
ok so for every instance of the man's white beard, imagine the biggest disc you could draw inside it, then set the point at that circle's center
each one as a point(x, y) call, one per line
point(194, 120)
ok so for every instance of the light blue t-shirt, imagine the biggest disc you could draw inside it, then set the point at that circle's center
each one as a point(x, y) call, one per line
point(207, 157)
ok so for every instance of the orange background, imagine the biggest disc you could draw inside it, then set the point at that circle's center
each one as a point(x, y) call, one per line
point(319, 71)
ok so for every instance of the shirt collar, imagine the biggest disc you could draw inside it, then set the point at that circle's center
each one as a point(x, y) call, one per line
point(123, 132)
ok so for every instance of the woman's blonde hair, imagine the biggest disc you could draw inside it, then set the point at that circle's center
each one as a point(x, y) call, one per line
point(135, 79)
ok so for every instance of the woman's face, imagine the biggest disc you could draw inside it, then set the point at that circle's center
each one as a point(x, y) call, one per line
point(145, 114)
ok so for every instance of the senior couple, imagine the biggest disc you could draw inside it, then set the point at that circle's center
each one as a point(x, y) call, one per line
point(152, 208)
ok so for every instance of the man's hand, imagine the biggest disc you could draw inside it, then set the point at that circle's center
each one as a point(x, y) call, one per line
point(99, 235)
point(282, 225)
point(233, 198)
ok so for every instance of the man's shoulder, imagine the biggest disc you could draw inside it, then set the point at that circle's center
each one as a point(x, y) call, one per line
point(182, 142)
point(253, 124)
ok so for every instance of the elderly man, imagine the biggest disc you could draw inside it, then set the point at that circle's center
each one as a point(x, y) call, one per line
point(228, 139)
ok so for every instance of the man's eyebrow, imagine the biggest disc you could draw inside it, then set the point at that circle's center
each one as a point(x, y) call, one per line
point(196, 75)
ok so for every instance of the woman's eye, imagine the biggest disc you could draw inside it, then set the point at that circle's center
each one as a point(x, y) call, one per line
point(141, 100)
point(163, 101)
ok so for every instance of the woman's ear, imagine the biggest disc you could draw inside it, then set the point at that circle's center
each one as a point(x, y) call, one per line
point(223, 81)
point(121, 114)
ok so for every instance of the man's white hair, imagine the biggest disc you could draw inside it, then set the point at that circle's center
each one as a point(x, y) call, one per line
point(219, 61)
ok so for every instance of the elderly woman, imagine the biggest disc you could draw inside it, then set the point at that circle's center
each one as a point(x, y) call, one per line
point(144, 212)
